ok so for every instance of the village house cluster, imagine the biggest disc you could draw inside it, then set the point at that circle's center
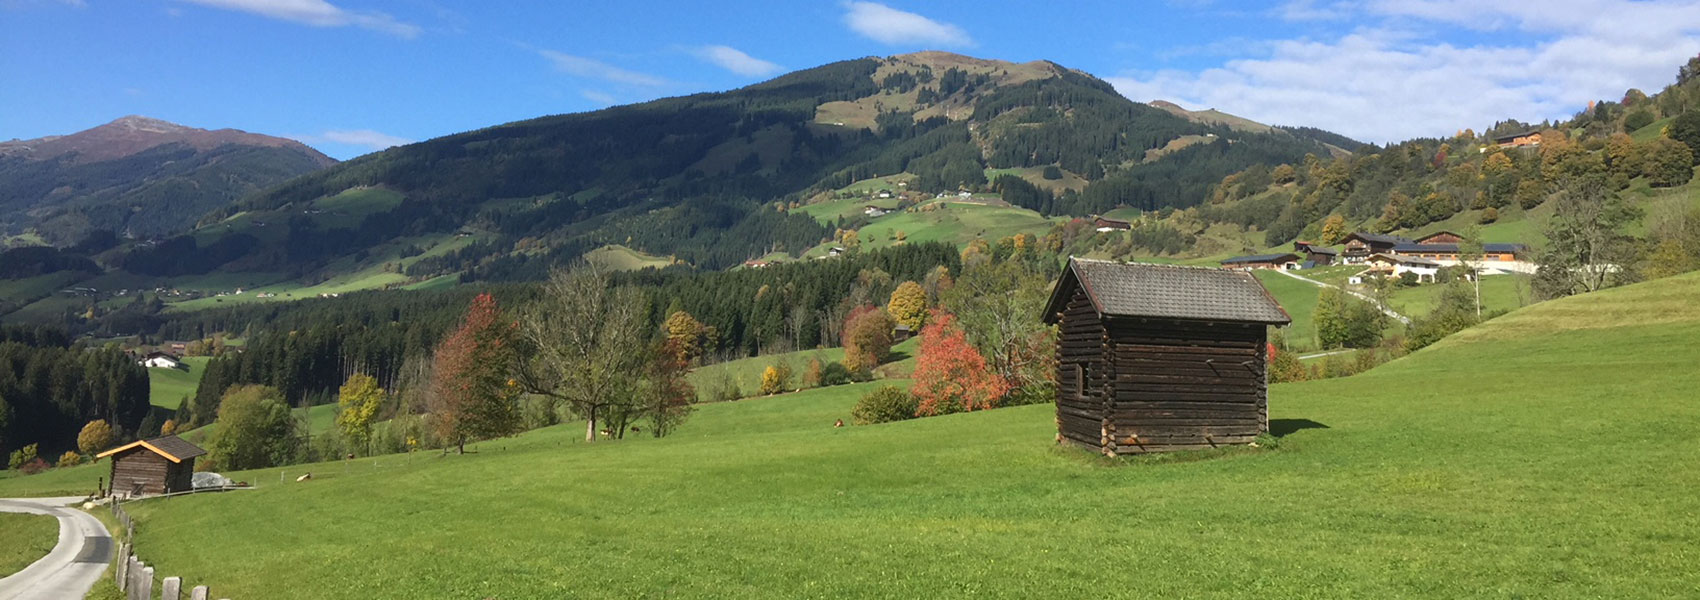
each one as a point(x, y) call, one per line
point(1393, 256)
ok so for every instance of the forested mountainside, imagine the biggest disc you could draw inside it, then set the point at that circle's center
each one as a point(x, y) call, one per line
point(137, 176)
point(701, 177)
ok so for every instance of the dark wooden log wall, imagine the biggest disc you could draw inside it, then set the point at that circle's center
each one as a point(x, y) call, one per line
point(140, 465)
point(1083, 375)
point(181, 476)
point(1186, 384)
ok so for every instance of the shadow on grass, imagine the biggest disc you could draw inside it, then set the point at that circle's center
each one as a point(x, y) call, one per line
point(1286, 427)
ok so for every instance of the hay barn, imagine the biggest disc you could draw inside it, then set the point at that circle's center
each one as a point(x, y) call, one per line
point(1152, 358)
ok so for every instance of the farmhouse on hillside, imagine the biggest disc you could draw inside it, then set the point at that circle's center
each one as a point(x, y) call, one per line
point(1361, 245)
point(160, 360)
point(1496, 257)
point(1520, 139)
point(1441, 237)
point(1316, 255)
point(1153, 358)
point(1389, 263)
point(1104, 224)
point(1281, 262)
point(158, 466)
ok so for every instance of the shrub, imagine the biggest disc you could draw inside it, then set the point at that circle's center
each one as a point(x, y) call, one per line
point(69, 459)
point(32, 467)
point(721, 389)
point(1489, 215)
point(22, 456)
point(834, 373)
point(775, 378)
point(811, 373)
point(883, 405)
point(1637, 120)
point(1285, 367)
point(1052, 173)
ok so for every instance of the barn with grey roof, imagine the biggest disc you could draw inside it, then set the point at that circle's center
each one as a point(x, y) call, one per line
point(1152, 358)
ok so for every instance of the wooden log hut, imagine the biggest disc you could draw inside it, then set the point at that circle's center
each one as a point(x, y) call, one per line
point(158, 466)
point(1153, 358)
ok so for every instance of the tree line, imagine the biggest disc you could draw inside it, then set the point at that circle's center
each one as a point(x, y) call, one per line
point(50, 388)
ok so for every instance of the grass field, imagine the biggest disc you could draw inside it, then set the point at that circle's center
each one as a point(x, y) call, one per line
point(952, 222)
point(746, 372)
point(828, 212)
point(1528, 457)
point(1299, 299)
point(621, 258)
point(24, 539)
point(1499, 293)
point(167, 388)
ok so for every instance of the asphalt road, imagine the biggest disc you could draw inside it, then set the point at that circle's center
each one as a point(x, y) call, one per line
point(71, 569)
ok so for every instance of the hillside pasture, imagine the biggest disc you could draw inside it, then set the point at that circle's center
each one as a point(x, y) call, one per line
point(621, 258)
point(1298, 298)
point(950, 221)
point(1466, 485)
point(167, 388)
point(1500, 293)
point(746, 372)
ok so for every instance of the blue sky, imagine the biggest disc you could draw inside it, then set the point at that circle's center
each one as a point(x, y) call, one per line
point(352, 76)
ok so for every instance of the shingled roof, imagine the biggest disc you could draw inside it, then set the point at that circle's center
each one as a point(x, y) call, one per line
point(1262, 258)
point(1377, 238)
point(1491, 247)
point(1167, 291)
point(171, 447)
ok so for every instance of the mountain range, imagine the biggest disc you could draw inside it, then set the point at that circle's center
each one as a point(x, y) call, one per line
point(137, 176)
point(700, 177)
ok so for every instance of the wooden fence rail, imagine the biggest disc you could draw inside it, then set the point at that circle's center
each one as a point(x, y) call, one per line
point(135, 579)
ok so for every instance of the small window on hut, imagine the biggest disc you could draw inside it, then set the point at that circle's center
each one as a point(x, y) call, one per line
point(1080, 380)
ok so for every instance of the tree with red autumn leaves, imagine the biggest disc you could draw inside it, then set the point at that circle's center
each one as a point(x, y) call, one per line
point(951, 375)
point(473, 394)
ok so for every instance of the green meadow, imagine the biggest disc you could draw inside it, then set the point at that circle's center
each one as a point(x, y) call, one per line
point(621, 258)
point(1548, 453)
point(949, 221)
point(24, 539)
point(746, 372)
point(167, 388)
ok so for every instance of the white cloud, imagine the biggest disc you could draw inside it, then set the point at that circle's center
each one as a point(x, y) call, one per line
point(588, 67)
point(1314, 10)
point(602, 98)
point(317, 13)
point(364, 138)
point(736, 61)
point(1384, 85)
point(888, 25)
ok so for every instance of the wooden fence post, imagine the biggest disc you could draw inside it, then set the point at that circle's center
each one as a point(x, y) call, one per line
point(145, 587)
point(134, 572)
point(199, 593)
point(123, 565)
point(171, 589)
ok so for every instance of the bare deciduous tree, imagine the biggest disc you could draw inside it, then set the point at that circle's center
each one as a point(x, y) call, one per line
point(589, 344)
